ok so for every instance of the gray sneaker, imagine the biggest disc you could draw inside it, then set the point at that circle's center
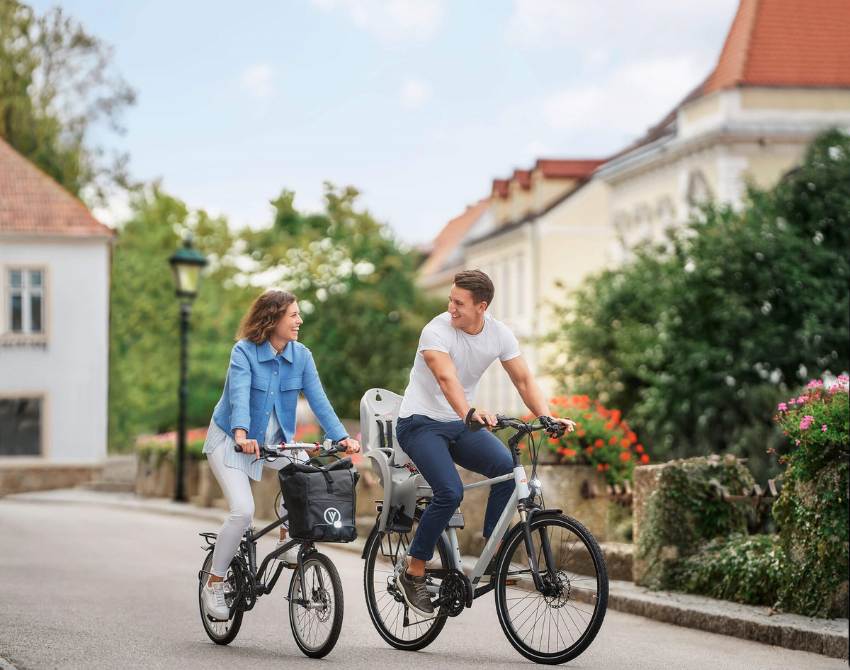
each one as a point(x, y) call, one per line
point(415, 594)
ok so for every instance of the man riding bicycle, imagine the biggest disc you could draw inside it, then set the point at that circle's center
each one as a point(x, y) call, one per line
point(455, 349)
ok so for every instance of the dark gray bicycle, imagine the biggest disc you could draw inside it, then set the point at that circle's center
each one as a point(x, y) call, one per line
point(315, 590)
point(549, 576)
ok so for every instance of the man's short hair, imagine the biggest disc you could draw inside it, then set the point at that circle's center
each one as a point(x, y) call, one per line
point(477, 283)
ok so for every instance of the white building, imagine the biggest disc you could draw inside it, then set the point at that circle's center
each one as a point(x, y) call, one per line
point(54, 320)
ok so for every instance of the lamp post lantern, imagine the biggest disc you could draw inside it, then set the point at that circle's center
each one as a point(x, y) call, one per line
point(186, 263)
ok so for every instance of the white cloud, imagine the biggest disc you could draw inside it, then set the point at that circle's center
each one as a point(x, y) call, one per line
point(414, 93)
point(650, 26)
point(258, 79)
point(391, 20)
point(626, 101)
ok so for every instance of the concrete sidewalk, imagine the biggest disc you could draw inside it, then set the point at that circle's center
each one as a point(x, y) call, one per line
point(821, 636)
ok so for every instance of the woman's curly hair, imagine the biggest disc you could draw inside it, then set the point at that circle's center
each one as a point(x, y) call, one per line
point(257, 325)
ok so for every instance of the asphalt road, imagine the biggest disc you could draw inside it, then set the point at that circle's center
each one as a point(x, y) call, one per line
point(86, 587)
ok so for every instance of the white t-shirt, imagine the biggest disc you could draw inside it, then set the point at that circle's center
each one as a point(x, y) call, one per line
point(471, 355)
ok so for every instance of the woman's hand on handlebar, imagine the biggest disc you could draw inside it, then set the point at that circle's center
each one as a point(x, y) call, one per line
point(245, 445)
point(351, 445)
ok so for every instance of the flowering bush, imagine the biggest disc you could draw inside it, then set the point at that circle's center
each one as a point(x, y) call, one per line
point(812, 509)
point(601, 438)
point(816, 421)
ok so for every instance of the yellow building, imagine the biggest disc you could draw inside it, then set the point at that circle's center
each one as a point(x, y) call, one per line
point(782, 77)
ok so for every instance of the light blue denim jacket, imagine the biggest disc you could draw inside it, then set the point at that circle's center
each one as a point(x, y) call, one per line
point(259, 382)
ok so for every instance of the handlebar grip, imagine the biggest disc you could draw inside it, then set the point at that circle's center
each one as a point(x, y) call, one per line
point(470, 424)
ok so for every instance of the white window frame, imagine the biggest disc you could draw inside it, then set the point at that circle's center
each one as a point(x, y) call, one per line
point(26, 291)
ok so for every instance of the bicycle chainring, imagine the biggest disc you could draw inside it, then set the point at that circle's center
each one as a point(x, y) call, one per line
point(452, 599)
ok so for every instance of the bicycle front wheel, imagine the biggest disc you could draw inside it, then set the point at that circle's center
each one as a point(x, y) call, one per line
point(555, 620)
point(315, 612)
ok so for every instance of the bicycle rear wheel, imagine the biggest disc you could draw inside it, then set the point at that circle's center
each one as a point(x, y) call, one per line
point(220, 632)
point(383, 599)
point(317, 620)
point(557, 622)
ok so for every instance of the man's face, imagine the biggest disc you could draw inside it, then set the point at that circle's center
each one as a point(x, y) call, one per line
point(465, 313)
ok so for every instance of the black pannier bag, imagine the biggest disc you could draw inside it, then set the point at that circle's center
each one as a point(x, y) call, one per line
point(320, 500)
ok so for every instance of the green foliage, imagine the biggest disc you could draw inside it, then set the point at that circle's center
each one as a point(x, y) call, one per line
point(144, 318)
point(741, 568)
point(697, 339)
point(684, 512)
point(812, 509)
point(57, 83)
point(356, 287)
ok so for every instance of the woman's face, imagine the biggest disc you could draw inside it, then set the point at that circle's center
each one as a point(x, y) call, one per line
point(289, 324)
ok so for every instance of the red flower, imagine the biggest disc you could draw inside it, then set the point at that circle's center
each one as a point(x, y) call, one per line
point(624, 443)
point(625, 456)
point(612, 440)
point(639, 448)
point(644, 458)
point(599, 442)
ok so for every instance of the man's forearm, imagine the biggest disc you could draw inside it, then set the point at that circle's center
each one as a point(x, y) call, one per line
point(453, 391)
point(533, 398)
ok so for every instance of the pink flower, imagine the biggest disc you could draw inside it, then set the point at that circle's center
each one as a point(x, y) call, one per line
point(802, 399)
point(797, 442)
point(815, 383)
point(806, 422)
point(782, 407)
point(823, 428)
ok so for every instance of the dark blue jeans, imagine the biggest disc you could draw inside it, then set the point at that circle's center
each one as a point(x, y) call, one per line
point(435, 447)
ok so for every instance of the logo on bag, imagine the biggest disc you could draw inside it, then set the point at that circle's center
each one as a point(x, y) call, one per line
point(333, 517)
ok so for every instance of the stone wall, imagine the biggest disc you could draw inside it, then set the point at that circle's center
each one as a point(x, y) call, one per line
point(30, 475)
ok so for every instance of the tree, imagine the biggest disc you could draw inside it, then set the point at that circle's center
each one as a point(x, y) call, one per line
point(57, 83)
point(696, 340)
point(356, 286)
point(144, 335)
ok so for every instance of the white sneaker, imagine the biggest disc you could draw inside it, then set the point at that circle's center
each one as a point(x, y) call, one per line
point(214, 603)
point(289, 556)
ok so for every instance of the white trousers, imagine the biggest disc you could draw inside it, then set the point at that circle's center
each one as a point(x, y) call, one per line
point(236, 486)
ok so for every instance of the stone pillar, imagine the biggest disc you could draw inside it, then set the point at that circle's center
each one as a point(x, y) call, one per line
point(645, 482)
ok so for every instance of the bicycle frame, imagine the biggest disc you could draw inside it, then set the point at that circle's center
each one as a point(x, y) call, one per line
point(522, 501)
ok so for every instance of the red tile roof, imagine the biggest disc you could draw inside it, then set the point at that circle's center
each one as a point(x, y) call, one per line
point(552, 168)
point(452, 235)
point(791, 43)
point(523, 178)
point(500, 188)
point(33, 203)
point(785, 43)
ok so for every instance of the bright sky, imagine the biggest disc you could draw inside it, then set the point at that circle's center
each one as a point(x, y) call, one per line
point(418, 103)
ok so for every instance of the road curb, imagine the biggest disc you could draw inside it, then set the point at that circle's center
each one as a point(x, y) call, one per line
point(828, 637)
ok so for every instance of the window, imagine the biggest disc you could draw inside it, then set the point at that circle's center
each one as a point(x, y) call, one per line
point(20, 427)
point(25, 308)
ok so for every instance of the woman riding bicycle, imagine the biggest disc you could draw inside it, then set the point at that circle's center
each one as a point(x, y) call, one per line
point(268, 370)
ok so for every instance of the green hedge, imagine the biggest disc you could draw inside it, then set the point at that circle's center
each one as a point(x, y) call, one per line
point(684, 512)
point(741, 568)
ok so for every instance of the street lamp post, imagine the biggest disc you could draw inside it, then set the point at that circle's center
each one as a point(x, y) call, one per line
point(186, 263)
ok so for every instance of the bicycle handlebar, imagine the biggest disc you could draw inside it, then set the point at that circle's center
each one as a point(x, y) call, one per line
point(548, 424)
point(328, 447)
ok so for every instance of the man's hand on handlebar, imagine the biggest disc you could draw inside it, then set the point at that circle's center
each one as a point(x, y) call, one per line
point(556, 425)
